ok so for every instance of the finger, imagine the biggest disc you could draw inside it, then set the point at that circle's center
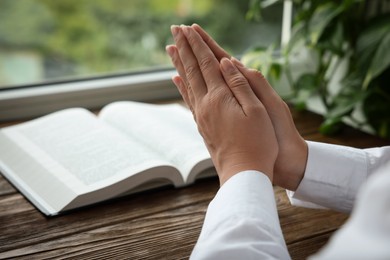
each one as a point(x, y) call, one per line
point(208, 63)
point(192, 71)
point(174, 54)
point(258, 82)
point(177, 80)
point(218, 51)
point(277, 109)
point(238, 84)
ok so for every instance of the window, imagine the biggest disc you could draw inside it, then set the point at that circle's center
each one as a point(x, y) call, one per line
point(56, 44)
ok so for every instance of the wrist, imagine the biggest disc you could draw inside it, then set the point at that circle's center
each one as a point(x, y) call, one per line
point(300, 167)
point(289, 173)
point(225, 172)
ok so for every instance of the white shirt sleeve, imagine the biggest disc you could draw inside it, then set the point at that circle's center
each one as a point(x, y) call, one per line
point(337, 176)
point(334, 174)
point(242, 222)
point(366, 235)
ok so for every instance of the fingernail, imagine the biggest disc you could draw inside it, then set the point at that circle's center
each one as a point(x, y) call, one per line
point(237, 62)
point(176, 81)
point(186, 30)
point(169, 50)
point(227, 65)
point(175, 30)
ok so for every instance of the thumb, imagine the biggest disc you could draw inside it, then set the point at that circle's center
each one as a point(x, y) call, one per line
point(238, 84)
point(277, 109)
point(260, 86)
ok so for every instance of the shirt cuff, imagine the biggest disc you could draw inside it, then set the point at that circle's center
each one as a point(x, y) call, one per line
point(248, 194)
point(332, 177)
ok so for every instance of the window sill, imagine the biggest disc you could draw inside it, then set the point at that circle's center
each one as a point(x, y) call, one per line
point(31, 102)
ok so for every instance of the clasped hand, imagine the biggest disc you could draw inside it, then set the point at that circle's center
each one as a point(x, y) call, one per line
point(244, 123)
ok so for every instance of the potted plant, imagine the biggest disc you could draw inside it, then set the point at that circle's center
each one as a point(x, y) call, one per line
point(348, 37)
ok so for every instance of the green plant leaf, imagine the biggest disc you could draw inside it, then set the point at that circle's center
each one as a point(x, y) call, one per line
point(333, 39)
point(306, 85)
point(345, 102)
point(254, 11)
point(331, 126)
point(372, 34)
point(298, 36)
point(372, 49)
point(338, 32)
point(353, 80)
point(267, 3)
point(380, 61)
point(321, 18)
point(262, 59)
point(376, 108)
point(276, 70)
point(308, 81)
point(299, 100)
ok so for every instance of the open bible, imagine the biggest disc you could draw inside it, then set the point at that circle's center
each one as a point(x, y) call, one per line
point(73, 158)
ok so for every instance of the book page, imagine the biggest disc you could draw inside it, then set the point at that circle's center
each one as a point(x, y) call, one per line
point(168, 129)
point(81, 151)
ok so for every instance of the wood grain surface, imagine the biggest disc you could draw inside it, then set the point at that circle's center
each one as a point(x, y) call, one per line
point(158, 224)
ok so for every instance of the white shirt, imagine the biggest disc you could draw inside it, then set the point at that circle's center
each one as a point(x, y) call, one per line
point(242, 222)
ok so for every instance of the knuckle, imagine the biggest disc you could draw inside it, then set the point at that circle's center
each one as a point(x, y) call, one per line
point(176, 60)
point(255, 109)
point(181, 41)
point(190, 71)
point(216, 97)
point(204, 109)
point(192, 41)
point(202, 114)
point(237, 81)
point(201, 117)
point(205, 63)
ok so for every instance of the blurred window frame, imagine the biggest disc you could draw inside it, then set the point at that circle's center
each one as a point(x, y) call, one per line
point(29, 101)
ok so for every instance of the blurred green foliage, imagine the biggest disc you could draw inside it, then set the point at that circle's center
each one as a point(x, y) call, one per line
point(348, 34)
point(93, 37)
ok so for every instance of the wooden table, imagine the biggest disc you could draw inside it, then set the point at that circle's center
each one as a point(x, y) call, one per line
point(159, 224)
